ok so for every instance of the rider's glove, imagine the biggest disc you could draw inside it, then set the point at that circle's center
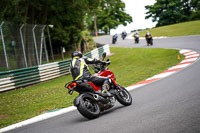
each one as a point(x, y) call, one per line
point(103, 63)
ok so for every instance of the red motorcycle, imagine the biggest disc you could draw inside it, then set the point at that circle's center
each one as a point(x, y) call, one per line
point(90, 103)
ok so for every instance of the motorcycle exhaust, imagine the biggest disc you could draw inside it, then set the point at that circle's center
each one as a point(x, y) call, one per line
point(100, 98)
point(96, 97)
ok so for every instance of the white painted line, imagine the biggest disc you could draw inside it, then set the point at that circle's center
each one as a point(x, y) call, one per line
point(129, 88)
point(130, 36)
point(162, 75)
point(187, 60)
point(184, 51)
point(160, 37)
point(192, 52)
point(179, 66)
point(192, 55)
point(37, 118)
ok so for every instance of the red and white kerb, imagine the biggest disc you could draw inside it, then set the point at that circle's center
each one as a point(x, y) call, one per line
point(190, 57)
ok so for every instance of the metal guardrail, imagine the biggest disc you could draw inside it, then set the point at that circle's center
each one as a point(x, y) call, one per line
point(31, 75)
point(24, 45)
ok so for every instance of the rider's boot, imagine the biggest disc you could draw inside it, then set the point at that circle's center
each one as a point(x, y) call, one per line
point(105, 92)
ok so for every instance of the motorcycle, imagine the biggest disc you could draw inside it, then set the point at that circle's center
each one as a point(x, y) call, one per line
point(136, 38)
point(124, 35)
point(90, 103)
point(114, 39)
point(149, 40)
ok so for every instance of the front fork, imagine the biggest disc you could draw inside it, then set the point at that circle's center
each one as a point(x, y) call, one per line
point(116, 90)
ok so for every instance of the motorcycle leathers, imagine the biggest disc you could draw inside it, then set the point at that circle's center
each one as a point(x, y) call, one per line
point(80, 70)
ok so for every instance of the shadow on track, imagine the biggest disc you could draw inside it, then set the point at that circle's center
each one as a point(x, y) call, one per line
point(81, 119)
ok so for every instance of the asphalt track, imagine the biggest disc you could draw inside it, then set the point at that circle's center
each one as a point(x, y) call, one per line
point(170, 105)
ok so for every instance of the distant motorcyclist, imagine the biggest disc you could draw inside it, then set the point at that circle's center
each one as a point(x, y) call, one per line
point(114, 38)
point(136, 36)
point(124, 34)
point(147, 34)
point(149, 39)
point(80, 71)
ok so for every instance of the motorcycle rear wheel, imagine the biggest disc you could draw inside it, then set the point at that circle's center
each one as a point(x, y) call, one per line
point(88, 107)
point(123, 96)
point(151, 43)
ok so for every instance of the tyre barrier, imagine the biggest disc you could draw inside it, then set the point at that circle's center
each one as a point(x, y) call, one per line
point(18, 78)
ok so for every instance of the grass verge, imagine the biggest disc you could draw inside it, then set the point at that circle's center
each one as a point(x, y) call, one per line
point(130, 66)
point(180, 29)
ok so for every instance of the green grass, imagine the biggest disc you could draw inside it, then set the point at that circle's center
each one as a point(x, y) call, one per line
point(129, 65)
point(140, 63)
point(180, 29)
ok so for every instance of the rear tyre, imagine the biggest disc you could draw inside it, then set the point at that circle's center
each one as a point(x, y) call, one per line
point(136, 40)
point(113, 42)
point(123, 96)
point(88, 107)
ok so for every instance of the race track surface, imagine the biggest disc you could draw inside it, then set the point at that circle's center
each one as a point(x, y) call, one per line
point(170, 105)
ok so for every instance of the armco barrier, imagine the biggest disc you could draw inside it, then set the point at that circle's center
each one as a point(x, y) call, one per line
point(27, 76)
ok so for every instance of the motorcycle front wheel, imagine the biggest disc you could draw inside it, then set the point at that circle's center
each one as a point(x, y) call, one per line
point(123, 96)
point(88, 107)
point(151, 43)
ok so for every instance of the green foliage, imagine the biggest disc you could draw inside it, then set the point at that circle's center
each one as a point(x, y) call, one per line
point(196, 10)
point(68, 17)
point(110, 14)
point(173, 11)
point(89, 40)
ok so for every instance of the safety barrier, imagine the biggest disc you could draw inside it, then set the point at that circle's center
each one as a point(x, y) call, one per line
point(27, 76)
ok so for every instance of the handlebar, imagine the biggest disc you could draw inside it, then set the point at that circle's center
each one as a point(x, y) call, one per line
point(101, 66)
point(108, 63)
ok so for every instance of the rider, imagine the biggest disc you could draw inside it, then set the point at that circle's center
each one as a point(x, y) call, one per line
point(136, 34)
point(80, 70)
point(124, 33)
point(147, 34)
point(115, 36)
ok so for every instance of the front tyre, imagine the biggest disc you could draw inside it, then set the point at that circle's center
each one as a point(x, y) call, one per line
point(123, 96)
point(88, 107)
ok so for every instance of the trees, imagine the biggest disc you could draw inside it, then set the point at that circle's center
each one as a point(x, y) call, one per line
point(109, 14)
point(172, 11)
point(69, 17)
point(195, 4)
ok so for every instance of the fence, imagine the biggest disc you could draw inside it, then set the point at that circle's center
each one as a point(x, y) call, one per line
point(31, 75)
point(23, 45)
